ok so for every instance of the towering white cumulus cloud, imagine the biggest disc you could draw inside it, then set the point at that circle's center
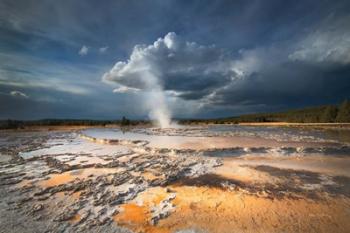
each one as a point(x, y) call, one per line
point(186, 69)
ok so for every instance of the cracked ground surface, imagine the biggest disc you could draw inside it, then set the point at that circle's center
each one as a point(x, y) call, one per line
point(72, 181)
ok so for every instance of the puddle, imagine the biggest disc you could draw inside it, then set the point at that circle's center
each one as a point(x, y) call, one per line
point(76, 218)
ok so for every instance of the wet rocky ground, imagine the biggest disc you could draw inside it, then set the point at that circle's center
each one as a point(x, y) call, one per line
point(68, 181)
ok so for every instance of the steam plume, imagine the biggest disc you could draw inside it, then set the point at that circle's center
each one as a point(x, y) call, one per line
point(156, 100)
point(186, 69)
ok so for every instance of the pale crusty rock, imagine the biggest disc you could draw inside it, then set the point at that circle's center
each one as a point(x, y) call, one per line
point(163, 210)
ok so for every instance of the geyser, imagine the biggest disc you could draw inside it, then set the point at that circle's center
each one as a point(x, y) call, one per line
point(156, 100)
point(158, 109)
point(169, 64)
point(145, 78)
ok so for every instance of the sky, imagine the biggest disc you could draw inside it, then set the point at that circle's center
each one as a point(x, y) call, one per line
point(106, 59)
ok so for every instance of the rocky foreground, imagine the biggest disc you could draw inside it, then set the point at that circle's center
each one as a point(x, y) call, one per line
point(62, 181)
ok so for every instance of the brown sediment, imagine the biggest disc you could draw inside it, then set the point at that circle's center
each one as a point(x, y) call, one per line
point(132, 214)
point(57, 179)
point(249, 213)
point(76, 218)
point(69, 176)
point(60, 195)
point(149, 176)
point(137, 216)
point(24, 183)
point(153, 196)
point(216, 210)
point(76, 195)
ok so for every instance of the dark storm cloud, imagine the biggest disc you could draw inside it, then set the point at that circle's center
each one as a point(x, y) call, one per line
point(268, 55)
point(293, 85)
point(313, 70)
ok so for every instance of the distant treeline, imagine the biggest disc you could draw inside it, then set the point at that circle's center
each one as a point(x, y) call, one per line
point(17, 124)
point(321, 114)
